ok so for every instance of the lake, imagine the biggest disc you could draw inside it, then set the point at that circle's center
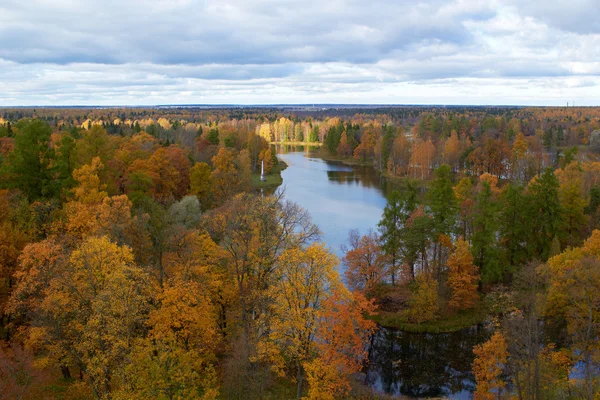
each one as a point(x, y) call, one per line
point(340, 197)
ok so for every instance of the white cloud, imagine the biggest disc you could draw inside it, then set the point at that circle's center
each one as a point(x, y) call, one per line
point(310, 51)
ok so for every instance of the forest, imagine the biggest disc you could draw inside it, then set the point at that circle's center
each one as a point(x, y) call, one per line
point(138, 258)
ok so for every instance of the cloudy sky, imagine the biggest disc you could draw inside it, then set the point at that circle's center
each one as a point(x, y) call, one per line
point(145, 52)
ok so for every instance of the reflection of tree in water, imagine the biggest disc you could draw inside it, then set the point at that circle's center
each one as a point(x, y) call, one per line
point(366, 176)
point(425, 365)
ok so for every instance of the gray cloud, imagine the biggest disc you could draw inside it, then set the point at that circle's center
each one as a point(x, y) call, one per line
point(273, 51)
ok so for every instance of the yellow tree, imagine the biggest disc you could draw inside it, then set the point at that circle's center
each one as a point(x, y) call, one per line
point(231, 174)
point(266, 156)
point(463, 277)
point(400, 159)
point(304, 277)
point(201, 184)
point(573, 202)
point(519, 152)
point(182, 338)
point(90, 311)
point(451, 150)
point(490, 360)
point(573, 294)
point(89, 190)
point(423, 305)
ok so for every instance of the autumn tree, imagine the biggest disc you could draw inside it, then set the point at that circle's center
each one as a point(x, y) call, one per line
point(176, 359)
point(201, 184)
point(343, 148)
point(341, 340)
point(253, 232)
point(490, 359)
point(423, 305)
point(465, 201)
point(365, 261)
point(463, 277)
point(266, 157)
point(231, 175)
point(451, 151)
point(304, 278)
point(573, 296)
point(399, 161)
point(91, 310)
point(366, 147)
point(519, 153)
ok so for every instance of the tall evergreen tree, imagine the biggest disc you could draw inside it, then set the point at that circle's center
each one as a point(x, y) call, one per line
point(485, 227)
point(546, 212)
point(444, 210)
point(442, 201)
point(515, 224)
point(392, 225)
point(29, 166)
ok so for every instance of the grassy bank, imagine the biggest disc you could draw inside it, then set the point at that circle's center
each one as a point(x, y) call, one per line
point(272, 180)
point(344, 160)
point(450, 322)
point(315, 144)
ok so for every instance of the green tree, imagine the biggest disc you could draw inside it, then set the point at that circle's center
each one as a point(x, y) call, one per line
point(546, 212)
point(515, 224)
point(573, 204)
point(65, 162)
point(313, 137)
point(442, 201)
point(30, 166)
point(417, 236)
point(485, 227)
point(444, 210)
point(334, 135)
point(391, 226)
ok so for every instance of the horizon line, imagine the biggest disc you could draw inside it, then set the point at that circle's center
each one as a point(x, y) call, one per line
point(305, 105)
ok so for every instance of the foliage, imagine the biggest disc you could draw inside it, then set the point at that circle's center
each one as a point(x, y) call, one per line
point(490, 359)
point(463, 277)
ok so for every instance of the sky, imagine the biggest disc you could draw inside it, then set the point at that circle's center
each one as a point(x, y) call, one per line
point(153, 52)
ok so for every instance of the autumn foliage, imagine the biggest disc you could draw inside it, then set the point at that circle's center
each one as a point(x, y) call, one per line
point(490, 359)
point(463, 277)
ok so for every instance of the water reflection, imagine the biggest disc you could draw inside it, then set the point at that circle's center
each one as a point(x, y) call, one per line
point(424, 365)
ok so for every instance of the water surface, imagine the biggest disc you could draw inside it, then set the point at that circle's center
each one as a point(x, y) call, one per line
point(337, 196)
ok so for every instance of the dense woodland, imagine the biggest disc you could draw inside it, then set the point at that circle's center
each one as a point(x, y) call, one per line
point(137, 261)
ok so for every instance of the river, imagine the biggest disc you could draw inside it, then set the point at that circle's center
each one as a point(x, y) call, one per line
point(339, 198)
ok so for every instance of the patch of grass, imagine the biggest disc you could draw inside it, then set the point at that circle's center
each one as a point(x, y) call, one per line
point(272, 180)
point(447, 322)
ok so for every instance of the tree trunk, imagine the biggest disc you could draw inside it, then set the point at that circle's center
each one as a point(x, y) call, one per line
point(65, 372)
point(300, 379)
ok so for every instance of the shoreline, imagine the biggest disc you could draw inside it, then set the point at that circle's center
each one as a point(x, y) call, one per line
point(272, 180)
